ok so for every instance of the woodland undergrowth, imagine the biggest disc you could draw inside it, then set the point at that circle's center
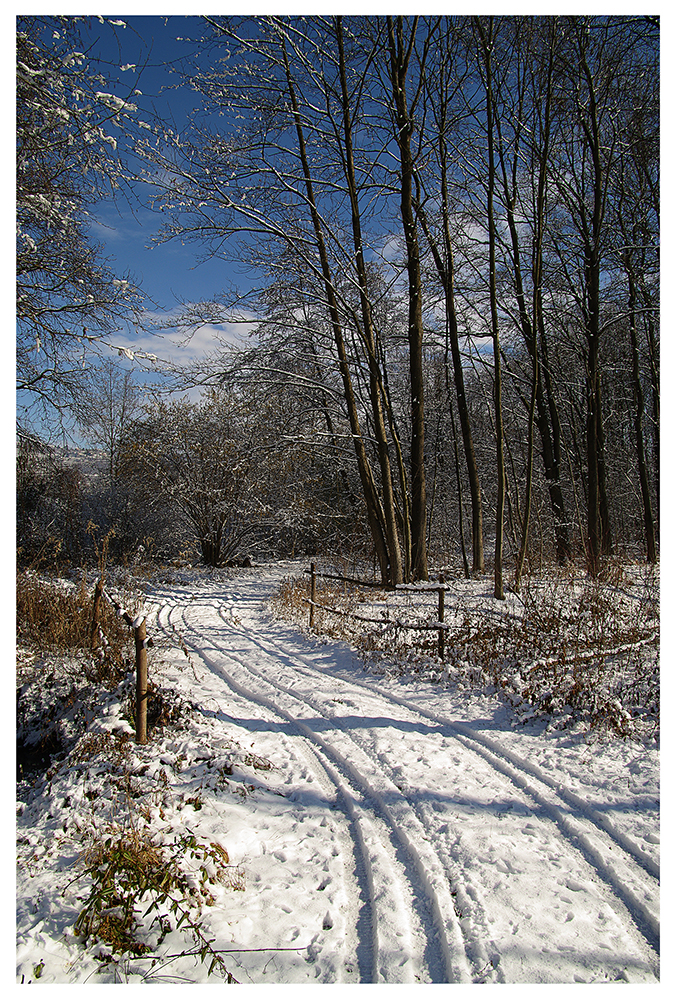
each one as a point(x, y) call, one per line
point(566, 648)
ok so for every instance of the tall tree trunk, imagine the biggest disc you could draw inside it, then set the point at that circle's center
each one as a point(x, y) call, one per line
point(493, 304)
point(656, 415)
point(593, 484)
point(638, 399)
point(405, 517)
point(599, 529)
point(531, 325)
point(461, 526)
point(400, 55)
point(376, 391)
point(550, 430)
point(439, 97)
point(445, 272)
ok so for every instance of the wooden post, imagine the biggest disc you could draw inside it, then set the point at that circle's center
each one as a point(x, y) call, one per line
point(98, 590)
point(312, 595)
point(140, 653)
point(440, 615)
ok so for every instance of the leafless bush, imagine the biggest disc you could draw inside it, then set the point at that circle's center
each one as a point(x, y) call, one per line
point(291, 602)
point(578, 649)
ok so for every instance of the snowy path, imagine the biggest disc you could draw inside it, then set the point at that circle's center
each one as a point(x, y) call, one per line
point(422, 845)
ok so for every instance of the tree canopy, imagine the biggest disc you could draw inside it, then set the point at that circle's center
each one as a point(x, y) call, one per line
point(451, 227)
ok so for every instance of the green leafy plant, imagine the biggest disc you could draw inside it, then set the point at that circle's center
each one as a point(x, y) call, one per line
point(132, 880)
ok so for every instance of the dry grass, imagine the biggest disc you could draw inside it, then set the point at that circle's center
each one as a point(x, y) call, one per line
point(291, 602)
point(51, 617)
point(574, 650)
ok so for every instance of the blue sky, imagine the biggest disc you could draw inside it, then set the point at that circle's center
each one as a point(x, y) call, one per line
point(141, 54)
point(169, 274)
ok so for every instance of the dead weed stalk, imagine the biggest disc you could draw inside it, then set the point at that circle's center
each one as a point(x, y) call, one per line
point(56, 616)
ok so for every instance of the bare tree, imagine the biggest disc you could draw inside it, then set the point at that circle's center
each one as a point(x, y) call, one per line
point(487, 34)
point(195, 461)
point(403, 51)
point(338, 153)
point(105, 409)
point(67, 296)
point(446, 80)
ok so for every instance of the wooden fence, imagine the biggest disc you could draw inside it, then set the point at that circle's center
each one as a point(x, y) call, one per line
point(440, 588)
point(138, 624)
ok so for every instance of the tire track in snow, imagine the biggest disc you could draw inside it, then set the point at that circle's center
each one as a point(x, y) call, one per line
point(628, 875)
point(642, 859)
point(359, 908)
point(380, 886)
point(393, 917)
point(394, 809)
point(482, 956)
point(590, 833)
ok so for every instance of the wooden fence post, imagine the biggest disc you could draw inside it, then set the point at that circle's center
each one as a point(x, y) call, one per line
point(140, 654)
point(440, 615)
point(312, 595)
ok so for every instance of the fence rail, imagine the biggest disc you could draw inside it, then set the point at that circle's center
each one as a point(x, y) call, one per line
point(440, 588)
point(356, 582)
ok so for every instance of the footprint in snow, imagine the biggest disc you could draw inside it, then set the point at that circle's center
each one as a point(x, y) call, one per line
point(507, 867)
point(313, 949)
point(575, 886)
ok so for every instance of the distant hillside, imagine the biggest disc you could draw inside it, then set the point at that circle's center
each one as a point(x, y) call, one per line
point(89, 462)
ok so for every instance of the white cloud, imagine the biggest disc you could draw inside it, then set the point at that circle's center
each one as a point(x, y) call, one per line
point(393, 248)
point(179, 348)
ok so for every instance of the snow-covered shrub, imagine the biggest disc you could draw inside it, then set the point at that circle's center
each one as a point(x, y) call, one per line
point(140, 891)
point(62, 683)
point(571, 649)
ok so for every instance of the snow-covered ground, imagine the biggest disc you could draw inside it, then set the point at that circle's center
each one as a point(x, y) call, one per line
point(378, 829)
